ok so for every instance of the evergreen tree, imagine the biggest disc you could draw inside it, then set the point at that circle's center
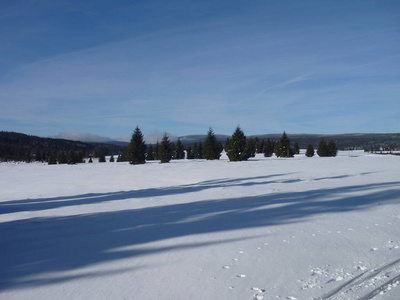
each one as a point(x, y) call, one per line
point(227, 145)
point(322, 148)
point(150, 153)
point(332, 149)
point(251, 147)
point(119, 158)
point(90, 160)
point(62, 158)
point(165, 150)
point(137, 148)
point(71, 158)
point(189, 153)
point(38, 156)
point(200, 151)
point(102, 157)
point(310, 150)
point(195, 150)
point(296, 148)
point(179, 150)
point(173, 150)
point(157, 151)
point(237, 148)
point(269, 148)
point(282, 148)
point(28, 156)
point(52, 159)
point(112, 158)
point(212, 148)
point(260, 148)
point(80, 156)
point(125, 154)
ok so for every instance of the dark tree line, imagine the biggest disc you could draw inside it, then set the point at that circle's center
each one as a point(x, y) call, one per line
point(238, 147)
point(167, 150)
point(22, 147)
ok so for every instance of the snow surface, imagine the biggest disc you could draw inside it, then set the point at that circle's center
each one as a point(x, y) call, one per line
point(269, 228)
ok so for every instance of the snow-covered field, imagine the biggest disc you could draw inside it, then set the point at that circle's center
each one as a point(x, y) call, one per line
point(269, 228)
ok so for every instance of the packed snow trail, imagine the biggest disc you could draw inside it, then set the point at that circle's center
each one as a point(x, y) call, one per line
point(365, 276)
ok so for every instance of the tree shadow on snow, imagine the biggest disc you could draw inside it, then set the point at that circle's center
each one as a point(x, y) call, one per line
point(33, 247)
point(7, 207)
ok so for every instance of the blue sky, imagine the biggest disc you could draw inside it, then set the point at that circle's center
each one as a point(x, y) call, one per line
point(103, 67)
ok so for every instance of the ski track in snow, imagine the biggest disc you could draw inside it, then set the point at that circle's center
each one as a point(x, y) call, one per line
point(354, 285)
point(382, 278)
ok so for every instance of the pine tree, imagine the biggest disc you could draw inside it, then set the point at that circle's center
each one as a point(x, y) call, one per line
point(189, 153)
point(310, 150)
point(137, 148)
point(173, 150)
point(212, 148)
point(28, 156)
point(179, 150)
point(90, 160)
point(125, 154)
point(237, 148)
point(157, 151)
point(102, 157)
point(150, 153)
point(322, 148)
point(112, 158)
point(200, 151)
point(260, 148)
point(38, 156)
point(62, 158)
point(71, 158)
point(269, 148)
point(195, 150)
point(52, 159)
point(282, 148)
point(119, 158)
point(80, 157)
point(251, 147)
point(296, 148)
point(227, 145)
point(332, 149)
point(165, 150)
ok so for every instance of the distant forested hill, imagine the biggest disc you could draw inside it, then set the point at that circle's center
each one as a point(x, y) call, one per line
point(21, 147)
point(364, 141)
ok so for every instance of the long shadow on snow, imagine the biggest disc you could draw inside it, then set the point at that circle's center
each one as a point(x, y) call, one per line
point(39, 246)
point(56, 202)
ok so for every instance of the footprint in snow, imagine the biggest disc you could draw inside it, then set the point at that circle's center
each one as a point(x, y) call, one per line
point(259, 295)
point(241, 275)
point(240, 252)
point(362, 268)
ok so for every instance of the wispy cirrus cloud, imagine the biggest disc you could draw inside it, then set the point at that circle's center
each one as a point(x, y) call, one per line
point(268, 68)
